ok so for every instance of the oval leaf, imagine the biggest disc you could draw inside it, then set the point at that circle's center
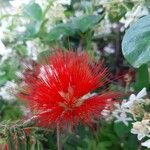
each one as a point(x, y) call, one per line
point(33, 11)
point(136, 42)
point(85, 23)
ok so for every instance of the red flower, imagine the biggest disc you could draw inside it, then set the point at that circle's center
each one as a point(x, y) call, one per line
point(59, 92)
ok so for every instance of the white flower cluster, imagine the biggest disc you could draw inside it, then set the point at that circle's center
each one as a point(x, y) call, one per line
point(55, 12)
point(8, 90)
point(4, 52)
point(142, 129)
point(131, 109)
point(132, 16)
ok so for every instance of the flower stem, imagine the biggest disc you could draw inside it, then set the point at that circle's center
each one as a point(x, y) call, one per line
point(58, 137)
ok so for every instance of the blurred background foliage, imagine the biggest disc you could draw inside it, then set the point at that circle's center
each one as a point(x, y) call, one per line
point(31, 29)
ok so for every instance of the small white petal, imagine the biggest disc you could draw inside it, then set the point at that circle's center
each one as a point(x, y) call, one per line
point(142, 93)
point(132, 97)
point(128, 104)
point(140, 136)
point(146, 143)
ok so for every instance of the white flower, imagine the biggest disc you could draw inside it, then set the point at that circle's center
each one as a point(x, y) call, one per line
point(17, 4)
point(4, 52)
point(2, 48)
point(64, 2)
point(120, 113)
point(109, 49)
point(56, 12)
point(134, 14)
point(79, 13)
point(140, 128)
point(136, 98)
point(32, 47)
point(42, 3)
point(121, 107)
point(123, 118)
point(7, 91)
point(146, 143)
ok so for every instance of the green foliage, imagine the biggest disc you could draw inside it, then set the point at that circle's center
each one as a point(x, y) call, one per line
point(142, 78)
point(9, 68)
point(78, 33)
point(117, 10)
point(33, 11)
point(135, 45)
point(9, 111)
point(78, 25)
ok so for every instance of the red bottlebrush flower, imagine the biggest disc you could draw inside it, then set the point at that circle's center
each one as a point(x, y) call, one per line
point(60, 92)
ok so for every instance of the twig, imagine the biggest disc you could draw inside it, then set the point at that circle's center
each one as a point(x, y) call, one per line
point(58, 137)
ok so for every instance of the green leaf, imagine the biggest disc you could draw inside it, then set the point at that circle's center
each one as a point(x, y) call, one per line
point(142, 78)
point(121, 129)
point(104, 145)
point(85, 23)
point(21, 139)
point(57, 32)
point(3, 80)
point(76, 141)
point(136, 42)
point(43, 56)
point(21, 50)
point(33, 11)
point(32, 30)
point(118, 10)
point(10, 139)
point(147, 4)
point(131, 142)
point(80, 24)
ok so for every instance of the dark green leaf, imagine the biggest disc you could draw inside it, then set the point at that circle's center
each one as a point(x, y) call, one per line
point(3, 80)
point(57, 32)
point(21, 50)
point(43, 56)
point(80, 24)
point(121, 129)
point(10, 139)
point(85, 23)
point(142, 78)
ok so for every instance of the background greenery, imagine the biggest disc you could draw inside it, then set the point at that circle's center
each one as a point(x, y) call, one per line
point(117, 31)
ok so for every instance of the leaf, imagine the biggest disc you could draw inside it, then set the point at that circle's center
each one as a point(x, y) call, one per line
point(3, 80)
point(118, 10)
point(76, 141)
point(57, 32)
point(147, 4)
point(21, 139)
point(131, 143)
point(32, 30)
point(33, 11)
point(85, 23)
point(104, 145)
point(43, 56)
point(21, 50)
point(142, 78)
point(10, 139)
point(80, 24)
point(136, 42)
point(121, 129)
